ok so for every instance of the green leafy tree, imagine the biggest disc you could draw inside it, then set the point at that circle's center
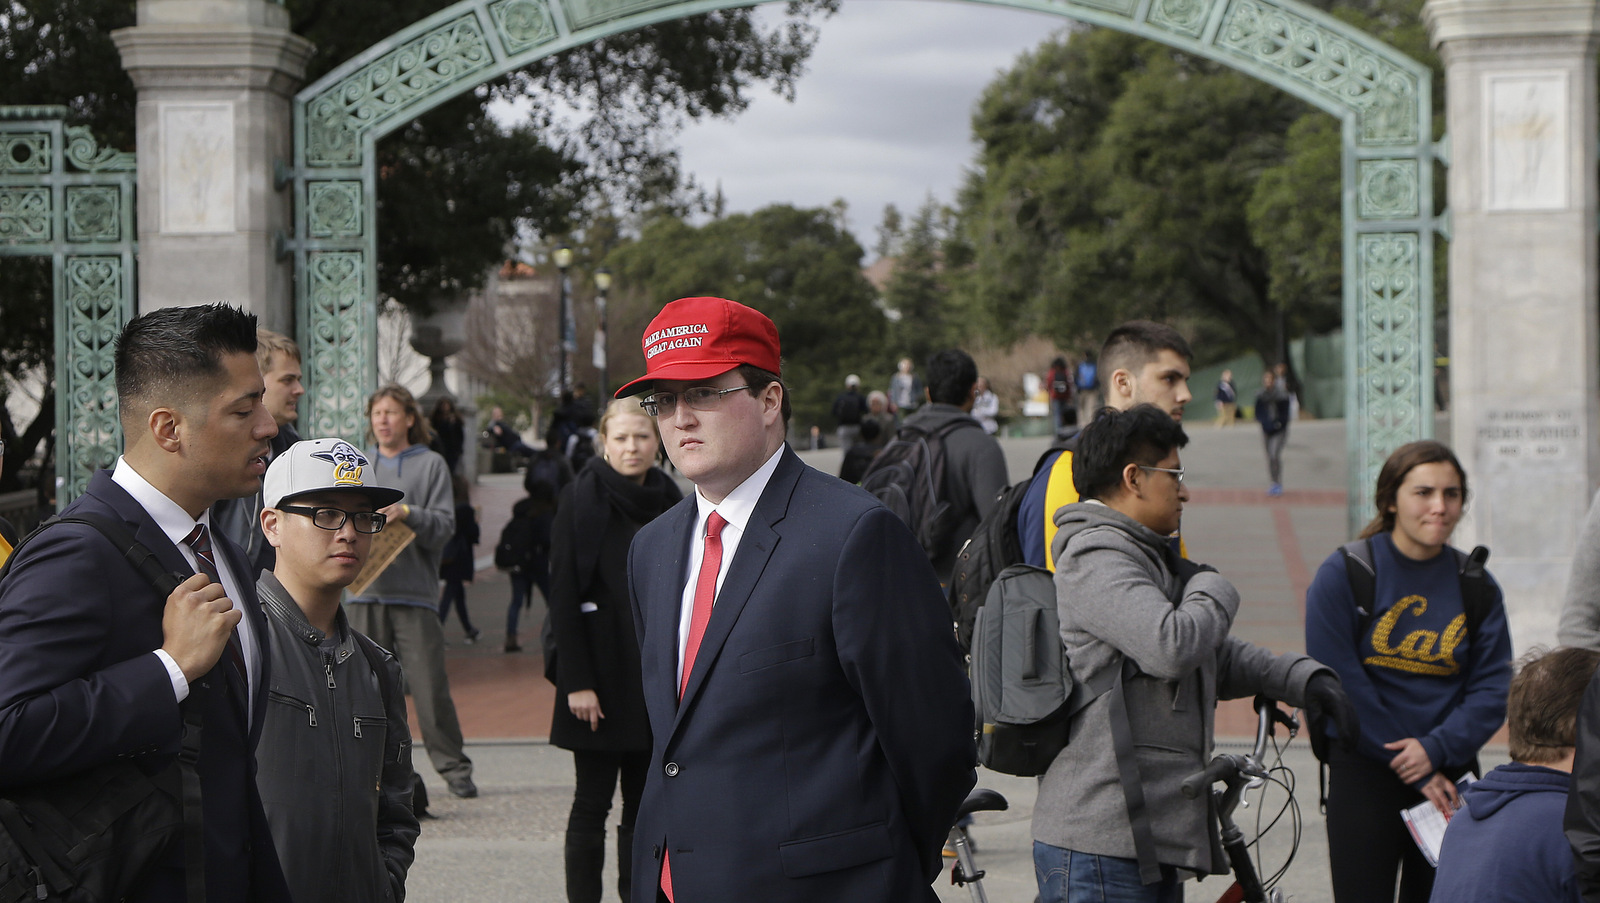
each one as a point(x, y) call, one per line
point(795, 265)
point(634, 88)
point(918, 292)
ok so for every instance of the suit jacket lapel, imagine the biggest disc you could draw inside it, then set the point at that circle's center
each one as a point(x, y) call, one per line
point(664, 604)
point(102, 487)
point(755, 549)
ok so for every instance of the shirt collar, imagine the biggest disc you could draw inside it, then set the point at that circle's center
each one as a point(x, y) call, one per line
point(739, 504)
point(168, 515)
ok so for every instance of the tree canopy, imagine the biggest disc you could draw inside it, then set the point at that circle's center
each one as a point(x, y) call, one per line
point(1120, 178)
point(456, 186)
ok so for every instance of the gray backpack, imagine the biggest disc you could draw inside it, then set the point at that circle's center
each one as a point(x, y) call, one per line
point(1022, 689)
point(1024, 696)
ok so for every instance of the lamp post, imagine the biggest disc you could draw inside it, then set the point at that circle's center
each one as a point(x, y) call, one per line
point(602, 281)
point(569, 342)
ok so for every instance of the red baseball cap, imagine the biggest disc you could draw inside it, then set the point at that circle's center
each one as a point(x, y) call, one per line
point(699, 338)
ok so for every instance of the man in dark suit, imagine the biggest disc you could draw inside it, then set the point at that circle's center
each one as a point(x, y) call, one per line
point(812, 724)
point(93, 663)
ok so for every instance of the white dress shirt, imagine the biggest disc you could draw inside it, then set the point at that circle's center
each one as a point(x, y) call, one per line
point(736, 509)
point(177, 525)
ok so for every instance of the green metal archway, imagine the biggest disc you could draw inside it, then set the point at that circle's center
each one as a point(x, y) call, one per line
point(1382, 97)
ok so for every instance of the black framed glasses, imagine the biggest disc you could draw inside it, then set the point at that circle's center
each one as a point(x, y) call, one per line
point(699, 398)
point(334, 518)
point(1177, 472)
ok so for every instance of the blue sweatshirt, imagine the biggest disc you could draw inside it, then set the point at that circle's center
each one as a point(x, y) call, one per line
point(1414, 672)
point(1506, 844)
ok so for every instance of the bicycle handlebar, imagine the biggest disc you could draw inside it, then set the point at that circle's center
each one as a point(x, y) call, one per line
point(1222, 768)
point(1229, 768)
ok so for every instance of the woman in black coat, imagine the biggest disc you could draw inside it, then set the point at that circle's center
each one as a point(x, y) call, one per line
point(599, 711)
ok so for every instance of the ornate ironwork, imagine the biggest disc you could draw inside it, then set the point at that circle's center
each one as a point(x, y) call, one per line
point(339, 333)
point(1382, 97)
point(63, 196)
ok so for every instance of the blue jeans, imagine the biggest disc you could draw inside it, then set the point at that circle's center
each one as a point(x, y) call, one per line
point(521, 587)
point(1066, 876)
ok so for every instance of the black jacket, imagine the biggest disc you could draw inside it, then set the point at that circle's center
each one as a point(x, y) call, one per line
point(589, 611)
point(1582, 821)
point(334, 764)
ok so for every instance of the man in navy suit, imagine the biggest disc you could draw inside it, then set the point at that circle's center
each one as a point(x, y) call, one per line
point(812, 723)
point(94, 664)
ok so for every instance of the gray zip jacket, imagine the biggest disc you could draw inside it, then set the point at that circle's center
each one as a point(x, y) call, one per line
point(1118, 598)
point(334, 762)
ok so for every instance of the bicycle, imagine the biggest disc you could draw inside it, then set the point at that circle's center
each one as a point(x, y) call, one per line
point(965, 873)
point(1239, 774)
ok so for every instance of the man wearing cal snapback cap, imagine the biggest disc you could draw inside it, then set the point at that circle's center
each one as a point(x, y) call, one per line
point(334, 764)
point(812, 723)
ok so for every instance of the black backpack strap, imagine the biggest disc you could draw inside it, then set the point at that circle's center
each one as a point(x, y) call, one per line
point(1477, 591)
point(1362, 573)
point(163, 582)
point(374, 655)
point(1144, 841)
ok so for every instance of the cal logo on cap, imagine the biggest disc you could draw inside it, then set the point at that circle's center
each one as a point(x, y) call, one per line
point(347, 463)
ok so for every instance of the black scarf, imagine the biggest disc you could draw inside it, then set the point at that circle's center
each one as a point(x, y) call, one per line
point(600, 493)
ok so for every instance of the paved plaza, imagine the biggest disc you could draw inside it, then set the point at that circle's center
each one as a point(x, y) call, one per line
point(507, 844)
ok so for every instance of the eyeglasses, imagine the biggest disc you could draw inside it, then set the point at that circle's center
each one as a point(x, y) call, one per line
point(1177, 472)
point(700, 398)
point(334, 518)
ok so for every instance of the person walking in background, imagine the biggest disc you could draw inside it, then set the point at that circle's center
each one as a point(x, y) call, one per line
point(1272, 412)
point(1227, 400)
point(338, 801)
point(548, 465)
point(524, 551)
point(858, 457)
point(878, 410)
point(849, 407)
point(1425, 655)
point(456, 564)
point(1058, 385)
point(905, 390)
point(599, 711)
point(985, 406)
point(400, 609)
point(974, 465)
point(449, 432)
point(1086, 383)
point(811, 721)
point(1506, 844)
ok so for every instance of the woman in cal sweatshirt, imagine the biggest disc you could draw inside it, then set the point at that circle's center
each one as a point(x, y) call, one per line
point(1430, 690)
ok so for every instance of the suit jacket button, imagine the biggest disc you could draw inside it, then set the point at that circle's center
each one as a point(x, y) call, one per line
point(655, 851)
point(671, 769)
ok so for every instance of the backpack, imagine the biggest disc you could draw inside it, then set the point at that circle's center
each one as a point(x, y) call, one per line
point(1088, 378)
point(1024, 696)
point(87, 836)
point(516, 546)
point(993, 547)
point(1059, 387)
point(908, 477)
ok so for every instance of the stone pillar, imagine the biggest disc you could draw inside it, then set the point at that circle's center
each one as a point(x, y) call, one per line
point(215, 78)
point(1520, 104)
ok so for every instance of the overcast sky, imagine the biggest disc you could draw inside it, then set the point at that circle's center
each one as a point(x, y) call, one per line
point(882, 115)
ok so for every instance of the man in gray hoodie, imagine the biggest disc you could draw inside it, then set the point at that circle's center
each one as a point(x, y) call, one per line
point(1129, 603)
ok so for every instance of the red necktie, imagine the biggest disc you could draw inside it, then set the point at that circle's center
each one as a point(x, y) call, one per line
point(705, 595)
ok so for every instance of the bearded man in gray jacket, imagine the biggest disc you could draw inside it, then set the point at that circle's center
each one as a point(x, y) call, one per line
point(1131, 606)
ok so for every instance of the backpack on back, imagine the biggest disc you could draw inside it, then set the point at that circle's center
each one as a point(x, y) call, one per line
point(993, 547)
point(516, 547)
point(908, 477)
point(1021, 684)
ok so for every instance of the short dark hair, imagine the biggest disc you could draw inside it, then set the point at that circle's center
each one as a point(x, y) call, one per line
point(758, 380)
point(1542, 710)
point(1138, 342)
point(1143, 434)
point(951, 374)
point(166, 356)
point(870, 429)
point(1392, 475)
